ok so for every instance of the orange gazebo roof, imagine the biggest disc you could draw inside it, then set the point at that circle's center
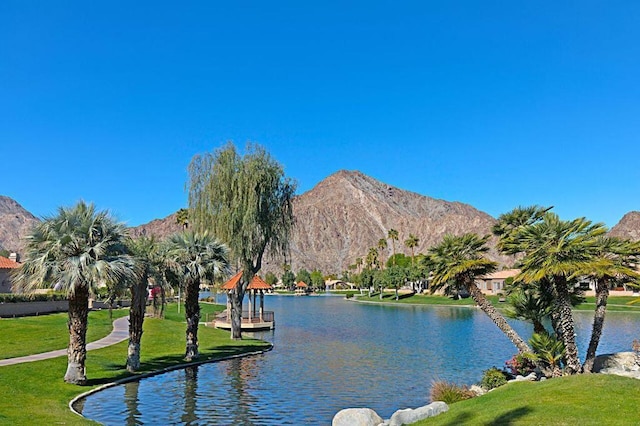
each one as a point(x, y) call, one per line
point(257, 283)
point(233, 281)
point(301, 284)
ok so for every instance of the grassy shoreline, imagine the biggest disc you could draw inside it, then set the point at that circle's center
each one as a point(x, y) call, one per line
point(38, 394)
point(615, 303)
point(588, 399)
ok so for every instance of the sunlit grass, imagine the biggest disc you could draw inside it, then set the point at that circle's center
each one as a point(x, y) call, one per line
point(35, 393)
point(594, 399)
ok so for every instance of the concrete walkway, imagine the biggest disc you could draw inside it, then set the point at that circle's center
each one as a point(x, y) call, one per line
point(119, 333)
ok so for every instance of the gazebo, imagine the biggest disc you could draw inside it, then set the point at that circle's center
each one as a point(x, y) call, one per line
point(301, 288)
point(254, 318)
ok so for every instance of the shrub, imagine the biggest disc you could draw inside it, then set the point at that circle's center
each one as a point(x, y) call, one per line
point(17, 298)
point(493, 378)
point(449, 392)
point(522, 364)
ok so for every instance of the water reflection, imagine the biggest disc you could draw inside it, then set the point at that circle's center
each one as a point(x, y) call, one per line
point(131, 402)
point(190, 395)
point(330, 354)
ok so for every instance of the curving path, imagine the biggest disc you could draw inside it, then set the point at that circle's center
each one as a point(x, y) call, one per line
point(119, 333)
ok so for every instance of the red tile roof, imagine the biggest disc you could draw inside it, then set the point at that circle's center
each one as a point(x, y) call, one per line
point(233, 281)
point(258, 284)
point(8, 263)
point(301, 284)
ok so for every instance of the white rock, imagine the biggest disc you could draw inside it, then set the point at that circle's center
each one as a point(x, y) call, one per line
point(477, 390)
point(356, 417)
point(408, 416)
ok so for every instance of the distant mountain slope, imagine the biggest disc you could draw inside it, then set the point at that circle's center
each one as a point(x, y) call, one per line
point(159, 228)
point(628, 227)
point(348, 212)
point(15, 223)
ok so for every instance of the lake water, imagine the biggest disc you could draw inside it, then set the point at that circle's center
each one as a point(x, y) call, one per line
point(330, 354)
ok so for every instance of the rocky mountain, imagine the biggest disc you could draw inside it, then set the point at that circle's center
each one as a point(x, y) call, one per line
point(348, 212)
point(159, 228)
point(15, 223)
point(628, 227)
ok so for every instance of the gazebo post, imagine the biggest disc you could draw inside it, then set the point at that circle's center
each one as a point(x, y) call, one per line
point(250, 305)
point(229, 306)
point(261, 304)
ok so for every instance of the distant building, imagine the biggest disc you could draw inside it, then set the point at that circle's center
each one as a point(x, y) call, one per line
point(494, 282)
point(6, 266)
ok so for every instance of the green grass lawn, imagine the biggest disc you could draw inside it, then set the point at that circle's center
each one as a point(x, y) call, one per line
point(595, 399)
point(49, 332)
point(35, 393)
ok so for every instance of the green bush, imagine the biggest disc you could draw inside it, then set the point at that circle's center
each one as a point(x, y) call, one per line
point(16, 298)
point(449, 392)
point(493, 378)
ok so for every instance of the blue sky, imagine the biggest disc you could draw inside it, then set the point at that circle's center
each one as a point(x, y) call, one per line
point(494, 104)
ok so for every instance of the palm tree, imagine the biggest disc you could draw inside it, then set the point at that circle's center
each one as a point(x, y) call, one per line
point(382, 244)
point(195, 257)
point(616, 259)
point(509, 223)
point(182, 218)
point(372, 258)
point(556, 252)
point(456, 263)
point(529, 303)
point(412, 243)
point(392, 234)
point(78, 250)
point(150, 261)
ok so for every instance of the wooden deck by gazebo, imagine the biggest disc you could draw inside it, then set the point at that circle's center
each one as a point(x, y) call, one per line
point(255, 318)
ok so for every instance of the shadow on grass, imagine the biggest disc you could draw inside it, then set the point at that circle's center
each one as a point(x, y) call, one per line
point(159, 364)
point(503, 420)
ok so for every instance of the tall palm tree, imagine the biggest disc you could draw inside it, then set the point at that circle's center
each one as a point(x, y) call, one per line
point(556, 252)
point(616, 259)
point(78, 250)
point(372, 258)
point(392, 234)
point(382, 244)
point(456, 263)
point(412, 243)
point(195, 257)
point(509, 223)
point(150, 261)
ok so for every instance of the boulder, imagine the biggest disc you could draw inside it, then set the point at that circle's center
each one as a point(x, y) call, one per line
point(478, 390)
point(408, 416)
point(621, 364)
point(356, 417)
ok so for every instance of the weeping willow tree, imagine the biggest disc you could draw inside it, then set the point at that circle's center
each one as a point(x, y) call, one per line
point(245, 201)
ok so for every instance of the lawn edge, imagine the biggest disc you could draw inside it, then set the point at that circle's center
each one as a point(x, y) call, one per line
point(134, 378)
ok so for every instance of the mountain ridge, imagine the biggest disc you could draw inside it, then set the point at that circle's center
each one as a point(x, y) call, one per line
point(337, 221)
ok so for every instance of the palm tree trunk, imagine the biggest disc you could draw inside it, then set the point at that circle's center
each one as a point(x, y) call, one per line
point(497, 318)
point(538, 327)
point(192, 315)
point(602, 294)
point(77, 350)
point(136, 319)
point(566, 325)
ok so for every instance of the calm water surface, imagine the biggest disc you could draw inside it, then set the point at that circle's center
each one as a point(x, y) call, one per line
point(332, 354)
